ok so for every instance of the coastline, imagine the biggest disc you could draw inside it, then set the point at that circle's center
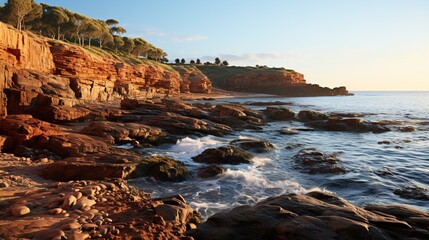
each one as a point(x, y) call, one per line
point(168, 217)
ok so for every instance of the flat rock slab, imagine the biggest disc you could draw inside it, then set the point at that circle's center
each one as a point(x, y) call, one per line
point(315, 215)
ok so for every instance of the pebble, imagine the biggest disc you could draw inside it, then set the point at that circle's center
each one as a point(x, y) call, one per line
point(69, 201)
point(4, 185)
point(55, 211)
point(98, 222)
point(115, 231)
point(89, 215)
point(79, 236)
point(85, 202)
point(44, 160)
point(71, 226)
point(93, 211)
point(104, 230)
point(18, 211)
point(109, 220)
point(89, 226)
point(78, 195)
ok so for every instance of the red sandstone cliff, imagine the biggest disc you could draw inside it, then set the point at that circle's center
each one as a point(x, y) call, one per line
point(193, 80)
point(277, 81)
point(44, 77)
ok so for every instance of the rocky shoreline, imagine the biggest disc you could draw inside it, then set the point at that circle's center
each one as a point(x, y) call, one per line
point(88, 195)
point(64, 110)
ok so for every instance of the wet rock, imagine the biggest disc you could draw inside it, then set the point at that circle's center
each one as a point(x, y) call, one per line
point(291, 146)
point(161, 168)
point(289, 131)
point(279, 114)
point(18, 211)
point(211, 171)
point(407, 129)
point(383, 172)
point(315, 215)
point(254, 145)
point(413, 192)
point(384, 142)
point(309, 116)
point(224, 155)
point(313, 161)
point(349, 125)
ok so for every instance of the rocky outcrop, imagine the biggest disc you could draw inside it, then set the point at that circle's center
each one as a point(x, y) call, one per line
point(193, 80)
point(277, 81)
point(312, 161)
point(315, 215)
point(47, 78)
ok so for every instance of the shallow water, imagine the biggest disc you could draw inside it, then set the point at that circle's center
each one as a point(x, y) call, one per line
point(406, 158)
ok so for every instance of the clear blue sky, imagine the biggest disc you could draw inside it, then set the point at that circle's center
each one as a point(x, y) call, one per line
point(363, 44)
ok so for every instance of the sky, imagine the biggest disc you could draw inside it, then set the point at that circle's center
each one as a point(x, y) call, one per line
point(364, 44)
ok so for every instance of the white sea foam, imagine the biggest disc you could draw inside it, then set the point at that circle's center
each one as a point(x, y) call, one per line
point(260, 161)
point(192, 146)
point(256, 181)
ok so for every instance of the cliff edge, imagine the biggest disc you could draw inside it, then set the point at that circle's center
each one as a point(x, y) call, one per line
point(278, 81)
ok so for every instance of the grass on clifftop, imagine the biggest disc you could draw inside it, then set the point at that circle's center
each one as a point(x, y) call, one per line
point(217, 74)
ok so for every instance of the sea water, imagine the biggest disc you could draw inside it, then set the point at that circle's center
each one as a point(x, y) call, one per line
point(374, 171)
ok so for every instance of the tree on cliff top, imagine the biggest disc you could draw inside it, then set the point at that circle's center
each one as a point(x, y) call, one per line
point(177, 61)
point(20, 11)
point(198, 61)
point(182, 61)
point(225, 63)
point(54, 18)
point(128, 45)
point(217, 61)
point(112, 22)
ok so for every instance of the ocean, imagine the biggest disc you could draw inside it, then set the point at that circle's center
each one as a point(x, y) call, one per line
point(377, 163)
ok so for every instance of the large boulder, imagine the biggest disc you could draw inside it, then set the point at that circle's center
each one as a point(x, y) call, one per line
point(224, 155)
point(211, 171)
point(254, 145)
point(315, 215)
point(279, 113)
point(308, 116)
point(161, 168)
point(312, 161)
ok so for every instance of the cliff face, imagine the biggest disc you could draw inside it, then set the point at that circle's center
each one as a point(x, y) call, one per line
point(25, 51)
point(45, 77)
point(193, 80)
point(277, 81)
